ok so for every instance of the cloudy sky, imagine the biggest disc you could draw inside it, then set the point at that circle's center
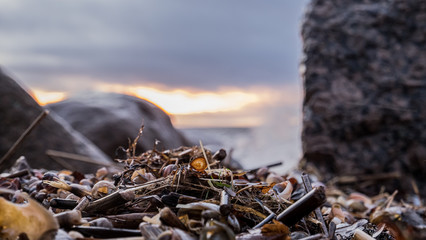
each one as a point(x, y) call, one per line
point(208, 63)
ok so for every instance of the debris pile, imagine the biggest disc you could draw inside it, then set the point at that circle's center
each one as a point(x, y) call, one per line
point(186, 193)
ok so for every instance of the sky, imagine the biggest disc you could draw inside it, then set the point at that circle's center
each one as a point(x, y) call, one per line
point(207, 63)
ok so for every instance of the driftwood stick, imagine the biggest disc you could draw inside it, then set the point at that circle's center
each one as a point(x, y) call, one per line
point(360, 235)
point(313, 237)
point(76, 157)
point(63, 203)
point(364, 178)
point(82, 204)
point(268, 218)
point(129, 220)
point(150, 231)
point(267, 166)
point(301, 208)
point(169, 218)
point(18, 174)
point(62, 162)
point(308, 187)
point(225, 207)
point(332, 231)
point(110, 201)
point(265, 221)
point(68, 218)
point(24, 135)
point(103, 232)
point(172, 199)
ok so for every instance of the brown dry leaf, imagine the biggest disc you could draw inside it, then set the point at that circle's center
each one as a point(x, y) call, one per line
point(275, 228)
point(30, 218)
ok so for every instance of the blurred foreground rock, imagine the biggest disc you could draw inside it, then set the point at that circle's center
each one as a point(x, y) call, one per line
point(18, 110)
point(109, 120)
point(365, 90)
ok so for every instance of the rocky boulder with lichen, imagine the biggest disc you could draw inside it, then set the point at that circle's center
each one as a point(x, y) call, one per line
point(365, 89)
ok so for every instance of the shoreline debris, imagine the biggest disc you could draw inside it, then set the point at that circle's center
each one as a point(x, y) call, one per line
point(186, 193)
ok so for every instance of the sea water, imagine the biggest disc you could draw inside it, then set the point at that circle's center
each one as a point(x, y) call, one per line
point(252, 147)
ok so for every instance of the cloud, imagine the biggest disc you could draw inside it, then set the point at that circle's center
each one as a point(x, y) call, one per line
point(187, 43)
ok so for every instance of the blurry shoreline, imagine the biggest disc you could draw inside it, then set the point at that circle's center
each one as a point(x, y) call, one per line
point(251, 146)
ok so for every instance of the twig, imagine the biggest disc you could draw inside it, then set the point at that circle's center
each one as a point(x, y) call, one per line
point(363, 178)
point(360, 235)
point(313, 237)
point(103, 232)
point(129, 220)
point(82, 204)
point(390, 199)
point(268, 218)
point(18, 174)
point(416, 190)
point(68, 218)
point(61, 162)
point(225, 207)
point(205, 156)
point(267, 166)
point(77, 157)
point(135, 141)
point(110, 201)
point(303, 207)
point(119, 197)
point(24, 135)
point(308, 187)
point(332, 231)
point(63, 203)
point(169, 218)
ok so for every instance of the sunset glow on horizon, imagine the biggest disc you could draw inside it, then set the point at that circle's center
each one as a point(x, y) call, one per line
point(174, 101)
point(197, 108)
point(184, 102)
point(43, 97)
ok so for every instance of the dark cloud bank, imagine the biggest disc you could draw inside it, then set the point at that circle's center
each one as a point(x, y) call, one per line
point(202, 44)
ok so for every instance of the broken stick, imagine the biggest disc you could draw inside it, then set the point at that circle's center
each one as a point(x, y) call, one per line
point(301, 208)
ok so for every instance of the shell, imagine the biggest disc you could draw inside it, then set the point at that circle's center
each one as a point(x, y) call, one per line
point(274, 178)
point(30, 218)
point(101, 173)
point(167, 170)
point(284, 190)
point(199, 164)
point(262, 172)
point(337, 215)
point(142, 176)
point(102, 188)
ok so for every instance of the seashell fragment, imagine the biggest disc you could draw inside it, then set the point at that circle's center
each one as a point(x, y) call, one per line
point(142, 176)
point(199, 164)
point(102, 188)
point(31, 218)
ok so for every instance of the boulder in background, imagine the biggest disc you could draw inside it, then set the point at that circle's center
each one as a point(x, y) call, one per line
point(109, 120)
point(365, 90)
point(17, 111)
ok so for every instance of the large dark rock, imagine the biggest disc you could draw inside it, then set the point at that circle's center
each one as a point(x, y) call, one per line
point(109, 120)
point(365, 88)
point(18, 110)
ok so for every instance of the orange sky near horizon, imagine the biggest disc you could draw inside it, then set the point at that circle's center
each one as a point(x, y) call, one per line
point(191, 108)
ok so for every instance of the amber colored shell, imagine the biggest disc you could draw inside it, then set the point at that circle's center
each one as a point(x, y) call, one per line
point(199, 164)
